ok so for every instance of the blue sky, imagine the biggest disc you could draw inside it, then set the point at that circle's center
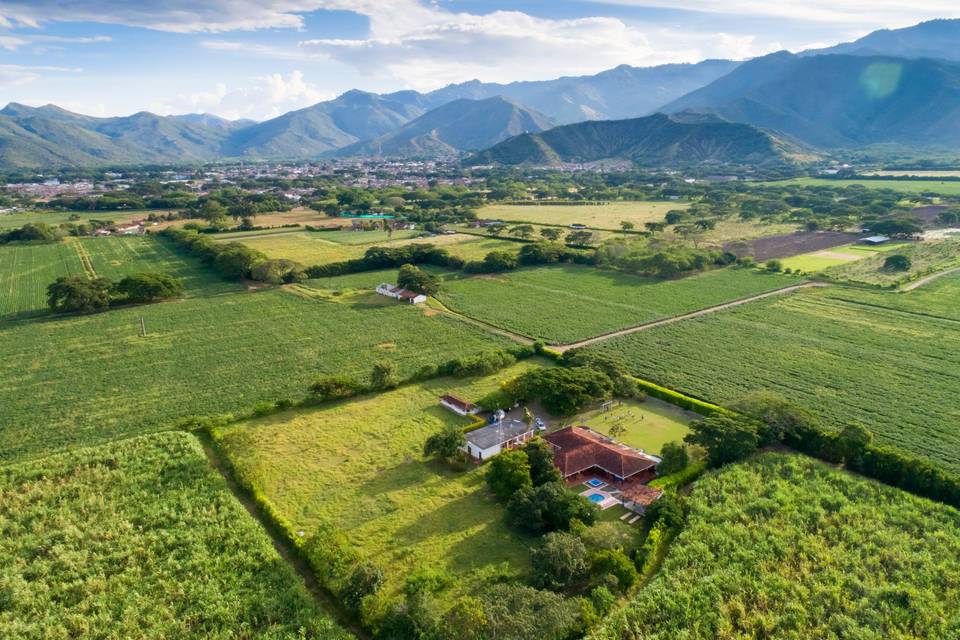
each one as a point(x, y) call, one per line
point(259, 58)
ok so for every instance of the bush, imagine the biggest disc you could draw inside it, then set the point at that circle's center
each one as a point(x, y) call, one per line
point(616, 563)
point(666, 511)
point(673, 458)
point(897, 262)
point(560, 561)
point(333, 387)
point(446, 444)
point(365, 580)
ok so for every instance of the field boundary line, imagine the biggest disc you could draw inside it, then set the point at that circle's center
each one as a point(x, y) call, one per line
point(686, 316)
point(223, 466)
point(84, 257)
point(491, 328)
point(926, 279)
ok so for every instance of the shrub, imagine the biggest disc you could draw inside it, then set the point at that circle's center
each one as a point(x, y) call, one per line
point(897, 262)
point(365, 580)
point(560, 561)
point(673, 458)
point(383, 375)
point(333, 387)
point(446, 444)
point(508, 473)
point(616, 563)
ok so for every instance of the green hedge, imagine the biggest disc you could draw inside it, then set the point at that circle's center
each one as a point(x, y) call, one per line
point(681, 400)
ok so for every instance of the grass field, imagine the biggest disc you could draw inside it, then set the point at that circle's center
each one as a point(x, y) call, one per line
point(786, 547)
point(817, 261)
point(599, 216)
point(563, 304)
point(368, 280)
point(141, 539)
point(925, 257)
point(309, 248)
point(844, 360)
point(649, 424)
point(25, 272)
point(945, 187)
point(114, 257)
point(83, 380)
point(937, 299)
point(357, 465)
point(55, 218)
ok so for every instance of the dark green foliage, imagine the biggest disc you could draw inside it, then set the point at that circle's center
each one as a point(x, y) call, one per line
point(445, 444)
point(376, 258)
point(542, 467)
point(563, 390)
point(552, 252)
point(726, 438)
point(517, 612)
point(148, 287)
point(898, 227)
point(384, 375)
point(667, 261)
point(897, 262)
point(667, 511)
point(614, 562)
point(416, 279)
point(602, 600)
point(481, 364)
point(493, 262)
point(549, 507)
point(560, 561)
point(774, 411)
point(508, 473)
point(235, 260)
point(277, 271)
point(37, 232)
point(365, 580)
point(332, 387)
point(77, 293)
point(673, 459)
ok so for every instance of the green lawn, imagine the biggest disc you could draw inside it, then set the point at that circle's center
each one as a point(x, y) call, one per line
point(27, 269)
point(357, 465)
point(649, 424)
point(599, 216)
point(817, 261)
point(838, 352)
point(786, 547)
point(114, 257)
point(944, 187)
point(141, 539)
point(56, 218)
point(562, 304)
point(86, 379)
point(310, 248)
point(346, 236)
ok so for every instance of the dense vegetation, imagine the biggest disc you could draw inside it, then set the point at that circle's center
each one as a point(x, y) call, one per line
point(916, 260)
point(141, 538)
point(784, 546)
point(840, 358)
point(86, 379)
point(567, 303)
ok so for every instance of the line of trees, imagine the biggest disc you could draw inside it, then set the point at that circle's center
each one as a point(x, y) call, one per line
point(236, 261)
point(88, 295)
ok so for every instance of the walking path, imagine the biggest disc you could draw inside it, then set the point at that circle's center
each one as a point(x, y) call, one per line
point(922, 281)
point(695, 314)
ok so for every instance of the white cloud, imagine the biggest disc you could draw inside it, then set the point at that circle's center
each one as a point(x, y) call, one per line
point(15, 74)
point(267, 97)
point(14, 42)
point(437, 46)
point(865, 14)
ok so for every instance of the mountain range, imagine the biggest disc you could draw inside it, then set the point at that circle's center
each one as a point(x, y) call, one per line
point(893, 86)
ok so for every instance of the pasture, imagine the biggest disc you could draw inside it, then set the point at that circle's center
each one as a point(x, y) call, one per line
point(87, 379)
point(358, 465)
point(56, 218)
point(938, 299)
point(816, 261)
point(310, 248)
point(784, 546)
point(648, 425)
point(141, 539)
point(368, 280)
point(925, 257)
point(826, 350)
point(907, 186)
point(608, 215)
point(27, 269)
point(565, 303)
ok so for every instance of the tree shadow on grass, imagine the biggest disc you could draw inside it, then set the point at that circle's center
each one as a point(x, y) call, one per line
point(405, 475)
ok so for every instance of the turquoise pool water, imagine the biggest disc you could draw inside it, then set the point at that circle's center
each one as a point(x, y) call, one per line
point(596, 498)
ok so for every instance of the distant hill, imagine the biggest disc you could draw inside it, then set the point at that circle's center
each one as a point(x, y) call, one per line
point(834, 101)
point(461, 125)
point(326, 126)
point(933, 39)
point(623, 92)
point(654, 140)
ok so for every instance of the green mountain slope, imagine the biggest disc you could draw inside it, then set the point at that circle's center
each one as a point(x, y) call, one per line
point(461, 125)
point(839, 101)
point(654, 140)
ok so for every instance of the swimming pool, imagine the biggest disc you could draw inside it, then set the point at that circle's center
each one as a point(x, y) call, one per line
point(595, 483)
point(596, 498)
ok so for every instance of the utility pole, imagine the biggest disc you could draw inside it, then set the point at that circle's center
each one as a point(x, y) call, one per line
point(143, 328)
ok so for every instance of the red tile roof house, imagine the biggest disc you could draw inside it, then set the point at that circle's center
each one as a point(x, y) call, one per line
point(458, 405)
point(579, 451)
point(638, 497)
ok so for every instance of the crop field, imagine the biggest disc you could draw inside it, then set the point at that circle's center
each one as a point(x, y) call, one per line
point(728, 231)
point(358, 465)
point(563, 304)
point(309, 248)
point(55, 218)
point(648, 425)
point(141, 539)
point(27, 269)
point(347, 236)
point(943, 187)
point(895, 373)
point(114, 257)
point(599, 216)
point(937, 299)
point(87, 379)
point(925, 257)
point(787, 547)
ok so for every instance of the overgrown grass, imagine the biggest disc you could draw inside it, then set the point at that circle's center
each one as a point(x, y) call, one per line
point(27, 269)
point(86, 379)
point(357, 465)
point(925, 257)
point(945, 187)
point(786, 547)
point(566, 303)
point(827, 350)
point(141, 539)
point(600, 216)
